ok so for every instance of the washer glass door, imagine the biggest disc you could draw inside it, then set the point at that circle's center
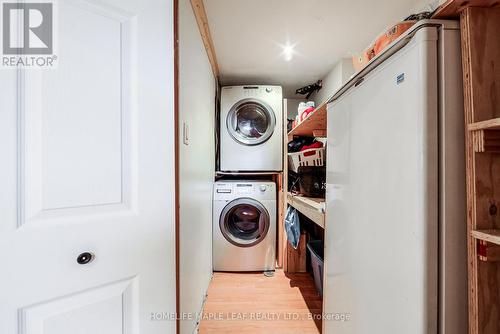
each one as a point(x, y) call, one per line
point(251, 122)
point(244, 222)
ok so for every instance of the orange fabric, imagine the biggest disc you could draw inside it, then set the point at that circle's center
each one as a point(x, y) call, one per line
point(391, 35)
point(360, 61)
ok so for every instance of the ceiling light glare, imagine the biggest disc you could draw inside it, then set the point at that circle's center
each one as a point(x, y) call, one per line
point(288, 52)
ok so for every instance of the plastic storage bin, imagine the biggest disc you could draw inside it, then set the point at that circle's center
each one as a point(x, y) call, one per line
point(310, 157)
point(315, 248)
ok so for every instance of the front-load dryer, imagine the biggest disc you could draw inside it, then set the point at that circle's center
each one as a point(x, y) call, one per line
point(251, 128)
point(244, 226)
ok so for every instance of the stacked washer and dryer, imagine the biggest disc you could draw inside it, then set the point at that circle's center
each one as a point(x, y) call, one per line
point(245, 211)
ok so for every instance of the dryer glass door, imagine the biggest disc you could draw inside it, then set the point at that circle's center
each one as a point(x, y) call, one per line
point(251, 122)
point(244, 222)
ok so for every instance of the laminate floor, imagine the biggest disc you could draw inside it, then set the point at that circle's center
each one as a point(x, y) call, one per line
point(252, 303)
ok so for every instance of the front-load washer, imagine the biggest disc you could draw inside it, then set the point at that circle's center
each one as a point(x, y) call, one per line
point(251, 128)
point(244, 226)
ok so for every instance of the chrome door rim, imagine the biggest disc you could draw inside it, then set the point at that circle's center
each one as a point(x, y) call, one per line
point(244, 140)
point(237, 241)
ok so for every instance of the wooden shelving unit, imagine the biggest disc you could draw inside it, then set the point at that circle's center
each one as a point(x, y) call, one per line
point(294, 260)
point(480, 23)
point(315, 121)
point(481, 59)
point(312, 208)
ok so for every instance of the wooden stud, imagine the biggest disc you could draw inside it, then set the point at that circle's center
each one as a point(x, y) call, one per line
point(472, 251)
point(282, 206)
point(201, 19)
point(283, 241)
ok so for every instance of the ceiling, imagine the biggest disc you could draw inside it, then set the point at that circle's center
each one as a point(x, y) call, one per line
point(249, 36)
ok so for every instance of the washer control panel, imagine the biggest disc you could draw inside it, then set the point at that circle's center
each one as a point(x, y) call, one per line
point(243, 188)
point(225, 190)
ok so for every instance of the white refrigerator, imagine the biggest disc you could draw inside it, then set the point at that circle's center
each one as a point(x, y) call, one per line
point(395, 255)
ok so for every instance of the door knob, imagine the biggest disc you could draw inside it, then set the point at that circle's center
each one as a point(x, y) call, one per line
point(85, 258)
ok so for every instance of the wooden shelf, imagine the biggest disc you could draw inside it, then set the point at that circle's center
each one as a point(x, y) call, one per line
point(491, 124)
point(451, 9)
point(312, 208)
point(492, 236)
point(314, 121)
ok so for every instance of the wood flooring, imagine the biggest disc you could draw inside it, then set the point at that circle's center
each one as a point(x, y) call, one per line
point(252, 303)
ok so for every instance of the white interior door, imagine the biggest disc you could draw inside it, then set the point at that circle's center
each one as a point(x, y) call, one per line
point(87, 166)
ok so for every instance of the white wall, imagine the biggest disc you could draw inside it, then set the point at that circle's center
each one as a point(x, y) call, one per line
point(343, 69)
point(333, 80)
point(197, 167)
point(292, 106)
point(425, 5)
